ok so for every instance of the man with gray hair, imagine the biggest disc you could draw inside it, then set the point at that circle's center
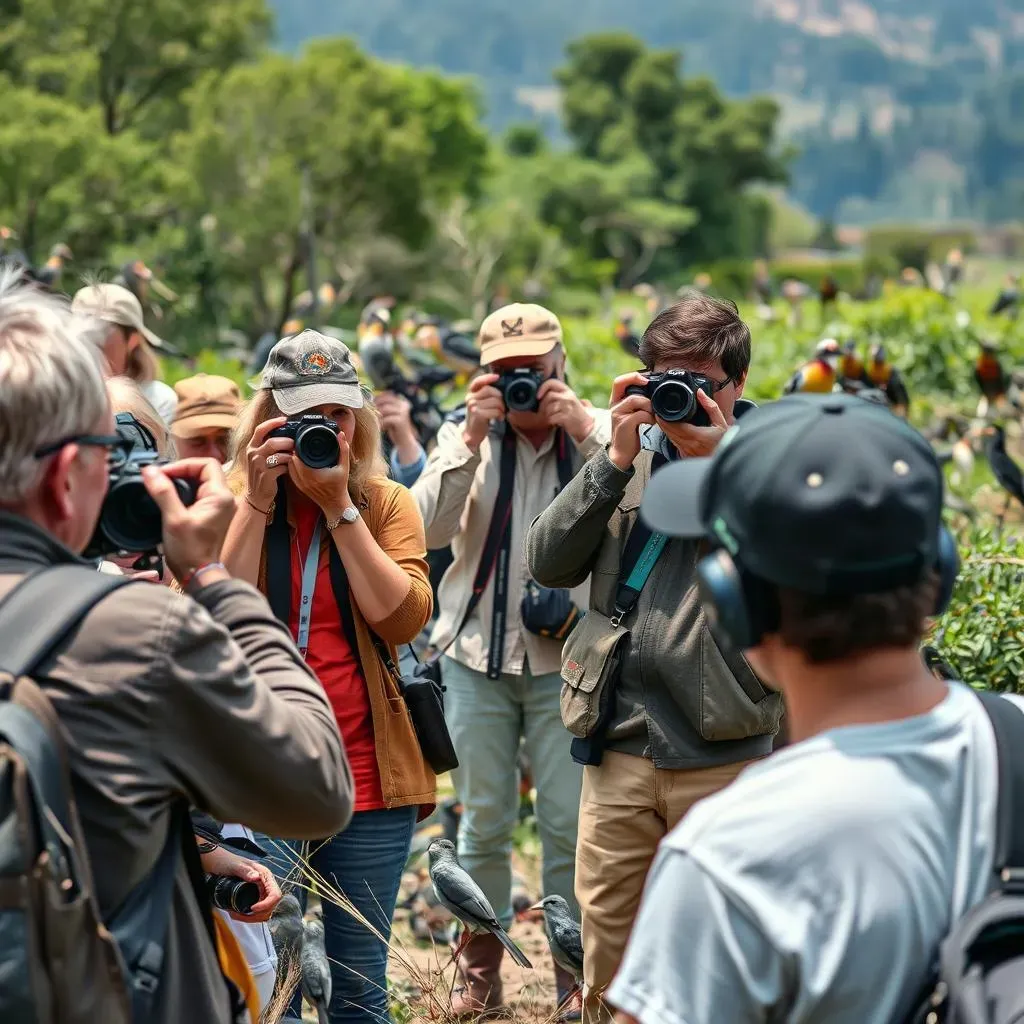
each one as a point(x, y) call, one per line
point(161, 696)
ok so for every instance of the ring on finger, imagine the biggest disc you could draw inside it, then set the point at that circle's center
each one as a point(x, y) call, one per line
point(272, 460)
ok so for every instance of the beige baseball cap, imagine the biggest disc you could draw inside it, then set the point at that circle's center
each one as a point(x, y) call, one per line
point(521, 329)
point(114, 305)
point(205, 402)
point(311, 369)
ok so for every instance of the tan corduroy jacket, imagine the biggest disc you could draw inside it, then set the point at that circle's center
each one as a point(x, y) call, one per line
point(394, 520)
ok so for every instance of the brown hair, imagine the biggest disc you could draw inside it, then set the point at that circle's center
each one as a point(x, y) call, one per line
point(126, 396)
point(367, 461)
point(702, 329)
point(833, 628)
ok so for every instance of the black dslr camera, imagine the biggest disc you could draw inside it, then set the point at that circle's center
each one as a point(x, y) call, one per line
point(315, 437)
point(227, 893)
point(129, 518)
point(673, 396)
point(519, 389)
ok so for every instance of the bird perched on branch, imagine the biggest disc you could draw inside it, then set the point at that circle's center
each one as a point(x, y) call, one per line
point(1004, 469)
point(998, 388)
point(819, 375)
point(851, 368)
point(315, 980)
point(884, 376)
point(456, 890)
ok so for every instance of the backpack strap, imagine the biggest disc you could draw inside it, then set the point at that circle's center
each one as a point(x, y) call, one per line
point(38, 613)
point(1008, 724)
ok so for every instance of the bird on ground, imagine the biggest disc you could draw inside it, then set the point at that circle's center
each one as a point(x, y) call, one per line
point(315, 979)
point(628, 341)
point(884, 376)
point(996, 385)
point(819, 375)
point(287, 929)
point(1009, 297)
point(456, 890)
point(563, 934)
point(828, 292)
point(1004, 469)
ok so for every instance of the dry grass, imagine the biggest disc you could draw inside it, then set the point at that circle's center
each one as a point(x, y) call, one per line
point(421, 976)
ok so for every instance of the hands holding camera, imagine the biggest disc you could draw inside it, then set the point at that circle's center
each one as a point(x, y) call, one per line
point(554, 401)
point(193, 535)
point(220, 861)
point(396, 421)
point(631, 409)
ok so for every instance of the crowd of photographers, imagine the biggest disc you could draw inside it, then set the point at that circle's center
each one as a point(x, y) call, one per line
point(628, 596)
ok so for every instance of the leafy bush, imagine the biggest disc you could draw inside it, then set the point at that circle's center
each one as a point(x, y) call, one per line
point(981, 636)
point(848, 272)
point(916, 247)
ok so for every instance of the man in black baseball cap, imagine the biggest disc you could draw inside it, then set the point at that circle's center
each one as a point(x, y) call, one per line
point(818, 886)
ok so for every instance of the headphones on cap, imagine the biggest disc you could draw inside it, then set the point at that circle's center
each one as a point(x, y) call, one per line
point(744, 607)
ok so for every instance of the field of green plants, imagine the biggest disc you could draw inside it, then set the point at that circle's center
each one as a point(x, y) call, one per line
point(934, 342)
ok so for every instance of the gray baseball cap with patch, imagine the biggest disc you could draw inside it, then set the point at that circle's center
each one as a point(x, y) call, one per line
point(311, 369)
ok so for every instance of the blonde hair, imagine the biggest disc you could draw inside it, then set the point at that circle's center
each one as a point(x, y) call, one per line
point(126, 396)
point(367, 461)
point(142, 365)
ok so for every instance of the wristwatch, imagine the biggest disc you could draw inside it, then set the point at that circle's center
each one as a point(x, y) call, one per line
point(348, 515)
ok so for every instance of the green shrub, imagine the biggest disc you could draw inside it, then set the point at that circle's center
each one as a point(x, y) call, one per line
point(848, 272)
point(916, 247)
point(981, 636)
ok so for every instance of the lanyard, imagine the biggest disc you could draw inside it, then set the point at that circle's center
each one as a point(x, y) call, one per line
point(309, 569)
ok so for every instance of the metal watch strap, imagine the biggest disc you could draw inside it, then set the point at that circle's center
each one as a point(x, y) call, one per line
point(348, 515)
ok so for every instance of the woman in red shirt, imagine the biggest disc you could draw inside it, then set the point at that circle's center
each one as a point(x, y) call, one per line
point(340, 553)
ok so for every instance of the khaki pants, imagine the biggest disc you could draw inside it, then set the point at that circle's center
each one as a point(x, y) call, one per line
point(626, 808)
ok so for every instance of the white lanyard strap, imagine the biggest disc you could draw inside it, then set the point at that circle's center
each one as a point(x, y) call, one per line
point(308, 586)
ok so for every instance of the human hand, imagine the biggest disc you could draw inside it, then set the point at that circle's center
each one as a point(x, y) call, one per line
point(327, 487)
point(629, 414)
point(484, 403)
point(126, 563)
point(261, 478)
point(193, 535)
point(220, 861)
point(698, 442)
point(561, 407)
point(396, 417)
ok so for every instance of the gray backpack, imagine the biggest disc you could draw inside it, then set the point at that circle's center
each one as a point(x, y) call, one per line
point(979, 975)
point(60, 963)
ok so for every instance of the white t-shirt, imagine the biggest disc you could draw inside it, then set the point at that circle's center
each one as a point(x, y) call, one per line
point(254, 939)
point(817, 887)
point(162, 397)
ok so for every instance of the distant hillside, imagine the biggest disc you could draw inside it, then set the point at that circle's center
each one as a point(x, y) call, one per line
point(841, 67)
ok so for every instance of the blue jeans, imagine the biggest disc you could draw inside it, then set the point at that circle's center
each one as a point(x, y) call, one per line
point(365, 862)
point(487, 718)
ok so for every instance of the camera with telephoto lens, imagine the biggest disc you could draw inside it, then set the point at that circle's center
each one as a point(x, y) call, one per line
point(315, 437)
point(227, 893)
point(673, 396)
point(519, 389)
point(129, 518)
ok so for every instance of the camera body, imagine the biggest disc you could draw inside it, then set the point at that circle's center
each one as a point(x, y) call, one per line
point(673, 396)
point(315, 437)
point(519, 389)
point(129, 518)
point(227, 893)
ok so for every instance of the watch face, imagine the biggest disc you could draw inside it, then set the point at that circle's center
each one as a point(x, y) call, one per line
point(350, 515)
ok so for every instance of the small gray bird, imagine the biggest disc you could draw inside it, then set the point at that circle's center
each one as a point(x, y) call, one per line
point(465, 899)
point(564, 935)
point(286, 928)
point(315, 980)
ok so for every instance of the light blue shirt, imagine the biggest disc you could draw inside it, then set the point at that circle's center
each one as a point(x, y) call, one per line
point(817, 887)
point(407, 475)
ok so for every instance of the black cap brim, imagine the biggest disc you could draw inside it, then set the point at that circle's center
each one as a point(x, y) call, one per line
point(671, 502)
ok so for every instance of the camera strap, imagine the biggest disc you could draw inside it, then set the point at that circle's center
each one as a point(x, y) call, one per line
point(309, 569)
point(643, 548)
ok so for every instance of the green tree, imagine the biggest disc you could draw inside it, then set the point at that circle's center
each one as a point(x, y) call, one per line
point(129, 58)
point(377, 146)
point(624, 103)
